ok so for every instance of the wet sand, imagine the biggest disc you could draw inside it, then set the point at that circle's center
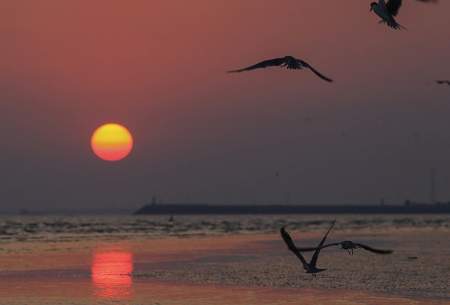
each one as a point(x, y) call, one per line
point(152, 292)
point(232, 269)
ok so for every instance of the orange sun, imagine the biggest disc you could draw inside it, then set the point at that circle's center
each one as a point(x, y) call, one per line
point(112, 142)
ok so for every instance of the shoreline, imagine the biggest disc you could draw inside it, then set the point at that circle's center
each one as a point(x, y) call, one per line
point(81, 291)
point(253, 262)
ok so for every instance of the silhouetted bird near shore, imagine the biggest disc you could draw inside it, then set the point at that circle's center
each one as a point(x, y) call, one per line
point(349, 246)
point(443, 82)
point(310, 267)
point(288, 61)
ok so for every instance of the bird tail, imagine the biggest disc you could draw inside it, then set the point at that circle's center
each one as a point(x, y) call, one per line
point(393, 24)
point(401, 27)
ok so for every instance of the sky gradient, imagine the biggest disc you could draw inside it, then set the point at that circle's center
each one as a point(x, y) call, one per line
point(201, 135)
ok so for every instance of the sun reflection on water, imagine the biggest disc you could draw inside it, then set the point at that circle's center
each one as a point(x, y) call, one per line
point(111, 274)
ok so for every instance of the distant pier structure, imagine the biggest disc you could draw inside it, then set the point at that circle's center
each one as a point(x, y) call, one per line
point(244, 209)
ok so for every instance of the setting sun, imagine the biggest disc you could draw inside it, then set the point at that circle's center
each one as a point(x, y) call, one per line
point(112, 142)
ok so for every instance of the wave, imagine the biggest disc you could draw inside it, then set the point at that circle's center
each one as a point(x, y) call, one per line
point(57, 228)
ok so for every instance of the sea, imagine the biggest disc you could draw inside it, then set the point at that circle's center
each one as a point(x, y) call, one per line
point(54, 228)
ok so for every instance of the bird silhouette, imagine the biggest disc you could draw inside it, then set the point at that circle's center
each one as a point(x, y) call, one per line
point(289, 62)
point(310, 267)
point(349, 246)
point(443, 82)
point(388, 10)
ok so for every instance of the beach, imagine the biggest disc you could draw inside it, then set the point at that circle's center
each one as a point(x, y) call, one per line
point(240, 267)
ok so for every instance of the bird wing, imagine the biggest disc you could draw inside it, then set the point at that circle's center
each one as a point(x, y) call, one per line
point(377, 251)
point(319, 247)
point(382, 4)
point(264, 64)
point(291, 246)
point(304, 63)
point(315, 248)
point(441, 82)
point(393, 6)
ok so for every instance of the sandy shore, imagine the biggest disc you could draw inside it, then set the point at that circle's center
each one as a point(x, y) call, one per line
point(236, 269)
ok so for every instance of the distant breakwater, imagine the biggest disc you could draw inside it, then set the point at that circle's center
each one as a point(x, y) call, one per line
point(201, 209)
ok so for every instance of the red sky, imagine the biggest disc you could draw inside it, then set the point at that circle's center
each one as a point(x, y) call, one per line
point(204, 135)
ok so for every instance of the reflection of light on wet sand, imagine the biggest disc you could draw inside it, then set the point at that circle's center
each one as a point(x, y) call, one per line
point(111, 274)
point(41, 291)
point(182, 294)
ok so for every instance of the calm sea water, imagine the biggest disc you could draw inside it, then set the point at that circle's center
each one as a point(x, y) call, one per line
point(66, 228)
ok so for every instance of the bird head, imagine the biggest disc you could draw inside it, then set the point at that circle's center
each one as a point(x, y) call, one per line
point(372, 6)
point(291, 62)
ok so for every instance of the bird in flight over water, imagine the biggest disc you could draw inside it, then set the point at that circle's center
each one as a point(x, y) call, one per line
point(310, 267)
point(289, 62)
point(443, 82)
point(349, 246)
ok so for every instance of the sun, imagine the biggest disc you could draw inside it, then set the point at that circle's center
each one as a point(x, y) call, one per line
point(112, 142)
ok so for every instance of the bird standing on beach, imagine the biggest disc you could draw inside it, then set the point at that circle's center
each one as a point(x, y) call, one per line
point(311, 266)
point(349, 246)
point(289, 62)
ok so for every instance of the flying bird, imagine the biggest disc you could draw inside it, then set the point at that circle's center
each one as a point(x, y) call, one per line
point(310, 267)
point(289, 62)
point(443, 82)
point(388, 10)
point(349, 246)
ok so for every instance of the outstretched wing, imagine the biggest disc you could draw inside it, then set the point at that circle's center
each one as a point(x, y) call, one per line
point(319, 247)
point(264, 64)
point(315, 248)
point(441, 82)
point(393, 6)
point(304, 63)
point(291, 246)
point(377, 251)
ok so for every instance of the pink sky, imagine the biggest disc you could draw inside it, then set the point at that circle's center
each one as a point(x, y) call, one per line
point(204, 135)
